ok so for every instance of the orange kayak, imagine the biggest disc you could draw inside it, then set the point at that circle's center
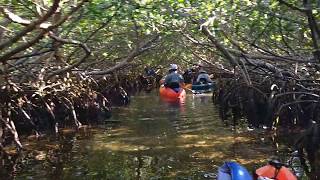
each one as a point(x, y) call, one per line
point(271, 172)
point(171, 95)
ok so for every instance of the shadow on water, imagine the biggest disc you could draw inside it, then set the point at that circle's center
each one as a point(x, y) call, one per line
point(152, 139)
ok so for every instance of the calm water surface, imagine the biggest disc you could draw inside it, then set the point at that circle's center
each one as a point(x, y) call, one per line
point(149, 139)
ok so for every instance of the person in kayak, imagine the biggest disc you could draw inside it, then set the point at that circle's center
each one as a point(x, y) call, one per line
point(203, 77)
point(187, 76)
point(173, 79)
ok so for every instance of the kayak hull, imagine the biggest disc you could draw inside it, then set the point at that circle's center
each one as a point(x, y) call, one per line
point(171, 95)
point(202, 88)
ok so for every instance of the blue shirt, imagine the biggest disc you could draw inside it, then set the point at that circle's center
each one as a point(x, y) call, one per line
point(173, 77)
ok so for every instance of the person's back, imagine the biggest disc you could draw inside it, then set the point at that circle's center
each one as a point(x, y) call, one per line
point(203, 77)
point(173, 79)
point(187, 76)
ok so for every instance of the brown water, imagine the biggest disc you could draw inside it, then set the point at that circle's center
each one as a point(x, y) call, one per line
point(149, 139)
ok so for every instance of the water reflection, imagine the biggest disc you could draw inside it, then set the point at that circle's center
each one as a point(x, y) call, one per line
point(150, 139)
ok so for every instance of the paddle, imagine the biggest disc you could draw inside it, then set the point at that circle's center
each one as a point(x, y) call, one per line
point(188, 89)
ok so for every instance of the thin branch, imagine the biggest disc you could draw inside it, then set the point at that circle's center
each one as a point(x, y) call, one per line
point(294, 102)
point(291, 6)
point(219, 46)
point(251, 55)
point(30, 25)
point(263, 30)
point(31, 55)
point(131, 56)
point(67, 41)
point(224, 51)
point(284, 39)
point(103, 25)
point(37, 38)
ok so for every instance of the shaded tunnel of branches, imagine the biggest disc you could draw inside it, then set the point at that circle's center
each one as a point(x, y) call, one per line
point(43, 90)
point(50, 78)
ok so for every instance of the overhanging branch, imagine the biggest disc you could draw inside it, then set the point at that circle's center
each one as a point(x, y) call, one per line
point(67, 41)
point(29, 25)
point(38, 37)
point(136, 52)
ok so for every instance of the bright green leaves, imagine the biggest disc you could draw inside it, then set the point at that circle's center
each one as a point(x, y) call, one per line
point(265, 23)
point(276, 37)
point(274, 4)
